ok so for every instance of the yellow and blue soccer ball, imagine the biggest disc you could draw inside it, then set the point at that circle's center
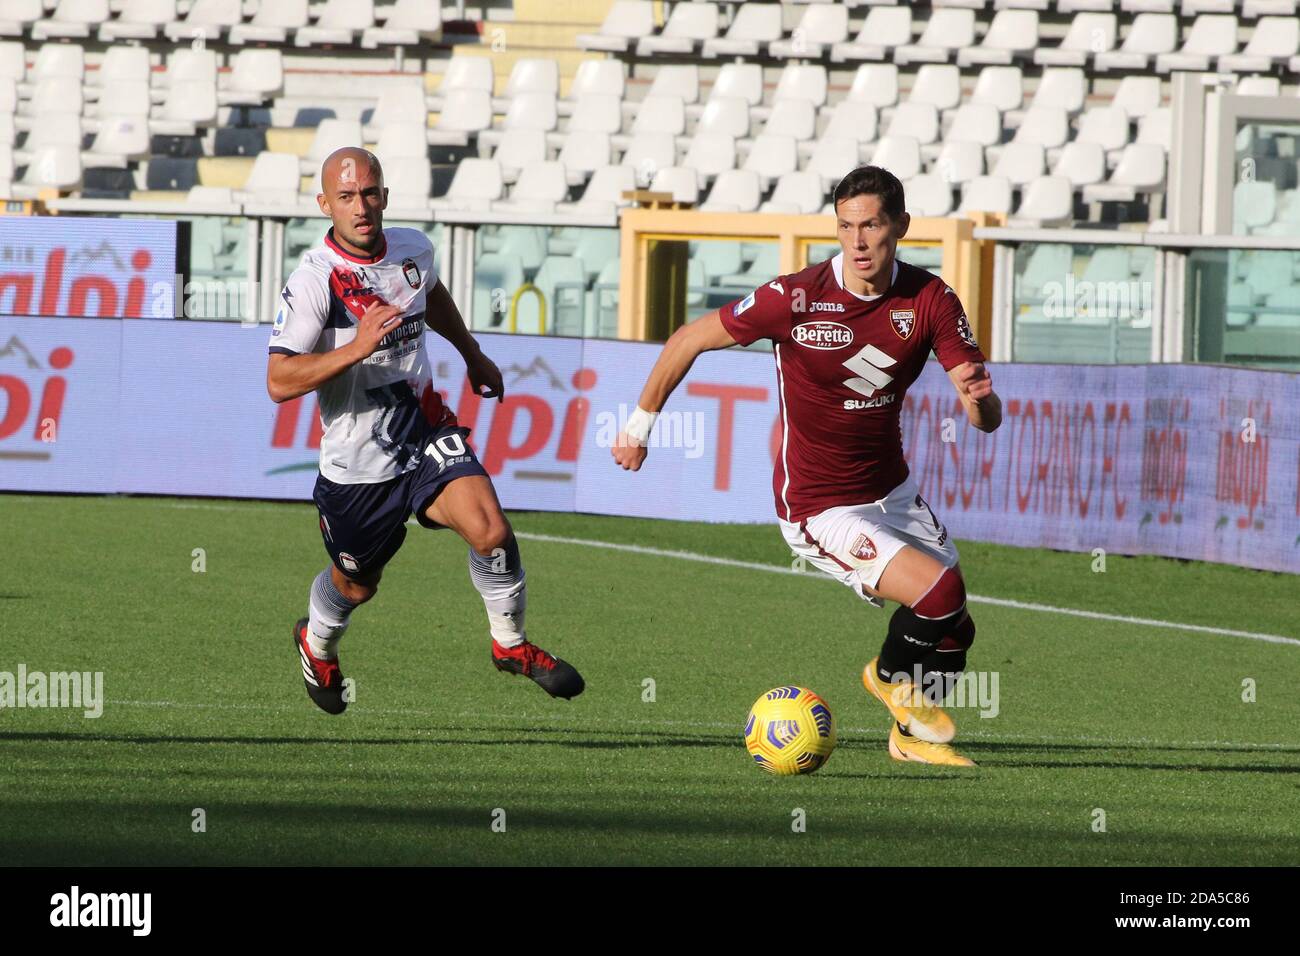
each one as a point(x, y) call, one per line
point(790, 730)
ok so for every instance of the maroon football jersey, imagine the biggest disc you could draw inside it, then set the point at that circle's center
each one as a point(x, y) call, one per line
point(843, 364)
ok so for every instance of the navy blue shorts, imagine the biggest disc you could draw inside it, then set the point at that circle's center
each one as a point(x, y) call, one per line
point(364, 525)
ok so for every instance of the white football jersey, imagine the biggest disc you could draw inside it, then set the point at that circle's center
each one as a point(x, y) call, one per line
point(374, 425)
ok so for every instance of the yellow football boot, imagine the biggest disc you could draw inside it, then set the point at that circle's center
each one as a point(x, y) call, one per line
point(908, 706)
point(922, 751)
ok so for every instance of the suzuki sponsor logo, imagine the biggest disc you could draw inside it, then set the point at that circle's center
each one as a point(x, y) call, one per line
point(853, 404)
point(823, 336)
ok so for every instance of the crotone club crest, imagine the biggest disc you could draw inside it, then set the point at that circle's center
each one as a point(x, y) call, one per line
point(412, 273)
point(903, 321)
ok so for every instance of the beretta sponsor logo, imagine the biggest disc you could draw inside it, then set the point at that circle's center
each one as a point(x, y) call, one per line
point(826, 336)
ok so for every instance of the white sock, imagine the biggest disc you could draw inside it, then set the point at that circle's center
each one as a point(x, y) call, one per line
point(499, 578)
point(327, 617)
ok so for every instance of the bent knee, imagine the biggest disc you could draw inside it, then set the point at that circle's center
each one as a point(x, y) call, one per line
point(356, 592)
point(488, 533)
point(946, 596)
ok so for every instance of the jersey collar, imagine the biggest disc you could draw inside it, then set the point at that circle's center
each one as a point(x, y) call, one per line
point(363, 260)
point(837, 267)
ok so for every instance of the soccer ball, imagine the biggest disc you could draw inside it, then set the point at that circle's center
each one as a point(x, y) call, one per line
point(790, 730)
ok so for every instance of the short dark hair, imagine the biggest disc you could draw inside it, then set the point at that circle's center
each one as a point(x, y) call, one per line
point(874, 181)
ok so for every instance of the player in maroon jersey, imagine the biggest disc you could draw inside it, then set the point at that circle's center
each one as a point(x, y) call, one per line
point(850, 335)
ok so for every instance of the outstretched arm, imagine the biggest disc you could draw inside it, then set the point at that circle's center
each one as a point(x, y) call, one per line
point(975, 389)
point(442, 315)
point(705, 334)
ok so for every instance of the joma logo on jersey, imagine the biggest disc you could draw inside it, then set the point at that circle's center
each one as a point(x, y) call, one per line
point(826, 307)
point(825, 336)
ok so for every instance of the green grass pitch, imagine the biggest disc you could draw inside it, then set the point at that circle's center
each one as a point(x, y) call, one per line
point(205, 706)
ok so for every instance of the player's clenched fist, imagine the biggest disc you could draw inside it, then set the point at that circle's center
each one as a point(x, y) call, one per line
point(378, 321)
point(975, 381)
point(627, 452)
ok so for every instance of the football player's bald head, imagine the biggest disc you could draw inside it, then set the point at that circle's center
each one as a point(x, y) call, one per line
point(353, 196)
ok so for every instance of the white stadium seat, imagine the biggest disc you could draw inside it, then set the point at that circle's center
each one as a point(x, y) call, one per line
point(647, 153)
point(475, 185)
point(772, 156)
point(1274, 41)
point(339, 23)
point(13, 61)
point(540, 186)
point(744, 80)
point(1107, 126)
point(802, 82)
point(138, 20)
point(603, 77)
point(832, 157)
point(1013, 33)
point(689, 26)
point(517, 150)
point(18, 15)
point(271, 23)
point(797, 118)
point(72, 18)
point(409, 181)
point(853, 121)
point(1048, 126)
point(682, 81)
point(976, 123)
point(1081, 163)
point(530, 75)
point(124, 63)
point(710, 154)
point(1047, 202)
point(737, 190)
point(256, 76)
point(755, 25)
point(883, 29)
point(928, 195)
point(875, 83)
point(330, 135)
point(273, 179)
point(1211, 36)
point(1141, 169)
point(1157, 128)
point(901, 155)
point(122, 138)
point(604, 192)
point(597, 113)
point(403, 140)
point(1137, 95)
point(626, 21)
point(58, 59)
point(1261, 8)
point(463, 73)
point(207, 19)
point(959, 161)
point(1089, 35)
point(51, 167)
point(682, 181)
point(725, 114)
point(919, 121)
point(1002, 86)
point(189, 104)
point(1063, 87)
point(938, 84)
point(796, 193)
point(946, 32)
point(660, 114)
point(985, 194)
point(1020, 163)
point(821, 26)
point(464, 112)
point(408, 22)
point(583, 153)
point(1150, 35)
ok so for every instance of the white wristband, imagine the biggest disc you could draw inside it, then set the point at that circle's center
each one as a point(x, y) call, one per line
point(640, 424)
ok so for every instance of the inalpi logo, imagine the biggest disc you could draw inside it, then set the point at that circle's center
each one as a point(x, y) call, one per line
point(825, 336)
point(31, 404)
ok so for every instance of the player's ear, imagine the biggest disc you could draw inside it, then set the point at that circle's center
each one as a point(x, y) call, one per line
point(904, 221)
point(385, 205)
point(323, 203)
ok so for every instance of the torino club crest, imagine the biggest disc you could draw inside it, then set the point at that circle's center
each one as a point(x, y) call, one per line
point(903, 320)
point(863, 548)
